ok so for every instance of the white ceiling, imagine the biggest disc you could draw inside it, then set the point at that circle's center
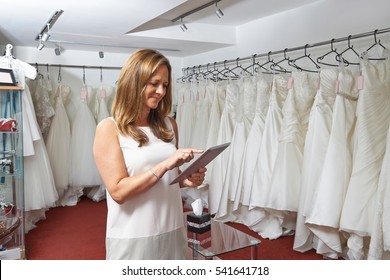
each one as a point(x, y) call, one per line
point(117, 25)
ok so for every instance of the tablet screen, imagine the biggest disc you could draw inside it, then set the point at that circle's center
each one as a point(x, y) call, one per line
point(204, 159)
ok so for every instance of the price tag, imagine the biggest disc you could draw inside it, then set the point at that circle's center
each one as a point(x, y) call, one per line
point(360, 82)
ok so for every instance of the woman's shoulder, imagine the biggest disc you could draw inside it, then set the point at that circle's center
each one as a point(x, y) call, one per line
point(170, 121)
point(107, 124)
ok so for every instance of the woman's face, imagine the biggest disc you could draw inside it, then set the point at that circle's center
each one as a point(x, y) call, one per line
point(156, 88)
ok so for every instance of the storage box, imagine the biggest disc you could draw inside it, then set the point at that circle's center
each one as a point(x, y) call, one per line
point(198, 224)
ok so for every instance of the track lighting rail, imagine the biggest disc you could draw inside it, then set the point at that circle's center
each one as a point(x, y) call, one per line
point(195, 10)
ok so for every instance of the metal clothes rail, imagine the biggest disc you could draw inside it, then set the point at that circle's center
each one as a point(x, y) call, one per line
point(253, 57)
point(76, 66)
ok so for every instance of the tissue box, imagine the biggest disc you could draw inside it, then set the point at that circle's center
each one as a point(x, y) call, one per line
point(198, 224)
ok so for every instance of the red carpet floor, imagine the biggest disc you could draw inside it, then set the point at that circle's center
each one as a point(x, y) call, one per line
point(78, 233)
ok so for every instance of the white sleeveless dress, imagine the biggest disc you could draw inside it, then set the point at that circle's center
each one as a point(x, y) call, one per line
point(373, 117)
point(333, 183)
point(150, 225)
point(58, 143)
point(268, 226)
point(316, 143)
point(243, 123)
point(98, 193)
point(217, 191)
point(251, 153)
point(285, 184)
point(380, 235)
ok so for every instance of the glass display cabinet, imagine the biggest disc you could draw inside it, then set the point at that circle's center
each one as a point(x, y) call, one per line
point(12, 242)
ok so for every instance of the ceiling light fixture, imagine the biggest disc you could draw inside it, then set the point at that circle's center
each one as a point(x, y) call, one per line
point(44, 34)
point(183, 26)
point(57, 50)
point(218, 11)
point(41, 45)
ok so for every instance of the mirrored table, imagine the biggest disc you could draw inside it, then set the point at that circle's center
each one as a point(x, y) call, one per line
point(219, 240)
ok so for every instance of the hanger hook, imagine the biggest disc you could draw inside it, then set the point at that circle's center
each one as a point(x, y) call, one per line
point(237, 60)
point(59, 74)
point(224, 63)
point(285, 53)
point(349, 41)
point(207, 66)
point(331, 44)
point(84, 74)
point(306, 49)
point(269, 56)
point(376, 31)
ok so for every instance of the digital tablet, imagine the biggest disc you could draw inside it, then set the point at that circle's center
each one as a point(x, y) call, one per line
point(205, 158)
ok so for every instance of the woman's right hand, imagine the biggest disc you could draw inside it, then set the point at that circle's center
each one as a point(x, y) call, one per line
point(181, 156)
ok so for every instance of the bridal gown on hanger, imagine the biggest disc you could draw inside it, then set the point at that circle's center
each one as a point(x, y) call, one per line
point(185, 127)
point(251, 152)
point(327, 201)
point(217, 191)
point(58, 143)
point(98, 193)
point(200, 132)
point(243, 122)
point(285, 184)
point(316, 143)
point(188, 114)
point(84, 173)
point(180, 91)
point(218, 93)
point(41, 100)
point(373, 117)
point(268, 226)
point(380, 235)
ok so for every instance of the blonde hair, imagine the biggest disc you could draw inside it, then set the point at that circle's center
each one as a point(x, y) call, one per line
point(128, 105)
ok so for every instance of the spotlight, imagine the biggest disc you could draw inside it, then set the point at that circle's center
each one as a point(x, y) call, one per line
point(218, 11)
point(183, 26)
point(40, 46)
point(57, 51)
point(45, 36)
point(101, 54)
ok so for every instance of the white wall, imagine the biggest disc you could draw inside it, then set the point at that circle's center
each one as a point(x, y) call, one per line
point(313, 23)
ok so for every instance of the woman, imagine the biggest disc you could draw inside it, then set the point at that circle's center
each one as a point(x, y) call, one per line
point(137, 155)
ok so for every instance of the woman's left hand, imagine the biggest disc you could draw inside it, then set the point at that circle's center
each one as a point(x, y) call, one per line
point(196, 179)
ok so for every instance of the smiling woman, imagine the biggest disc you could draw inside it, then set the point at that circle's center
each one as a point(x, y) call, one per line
point(137, 155)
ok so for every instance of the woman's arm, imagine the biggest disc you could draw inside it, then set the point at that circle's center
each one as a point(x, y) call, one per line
point(110, 163)
point(111, 166)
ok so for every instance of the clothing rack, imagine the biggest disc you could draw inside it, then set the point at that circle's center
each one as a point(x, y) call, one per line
point(77, 66)
point(253, 57)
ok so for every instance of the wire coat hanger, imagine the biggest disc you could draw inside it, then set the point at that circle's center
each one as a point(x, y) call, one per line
point(332, 51)
point(276, 66)
point(377, 43)
point(306, 57)
point(351, 50)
